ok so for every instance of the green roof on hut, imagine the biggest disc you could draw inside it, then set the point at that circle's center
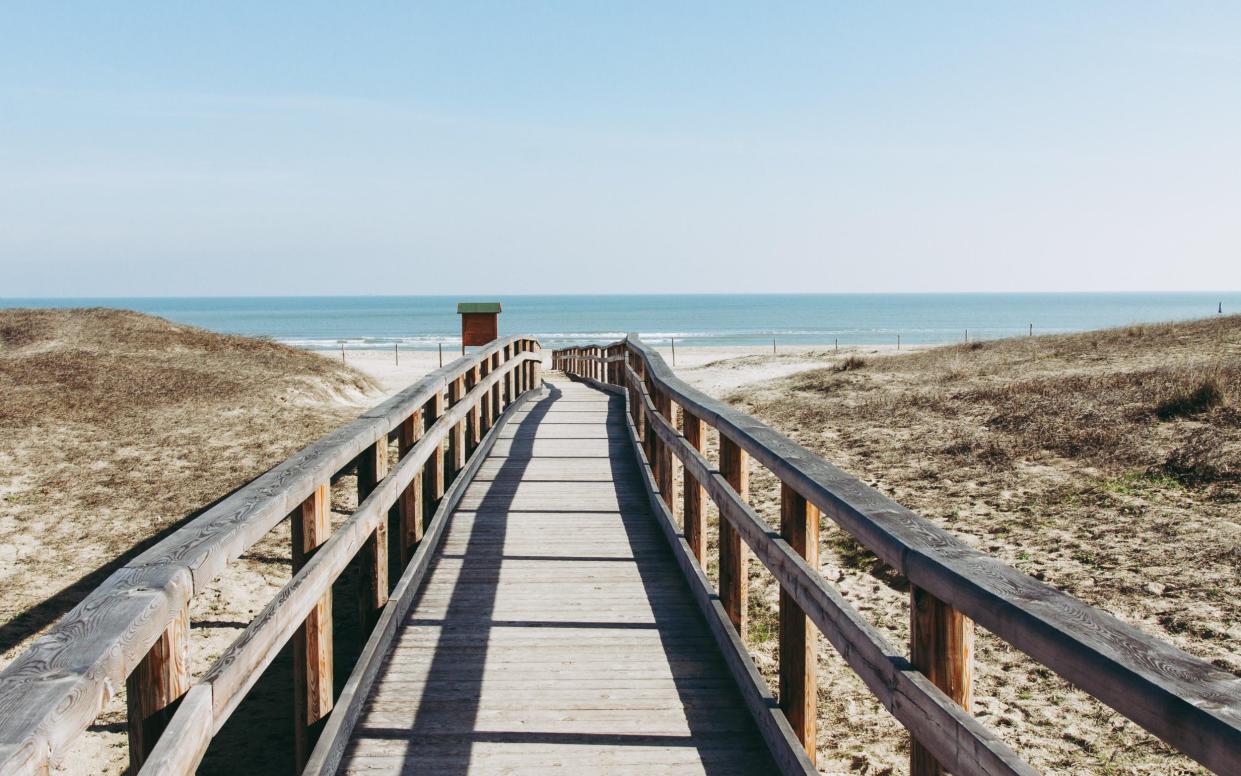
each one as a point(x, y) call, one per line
point(477, 307)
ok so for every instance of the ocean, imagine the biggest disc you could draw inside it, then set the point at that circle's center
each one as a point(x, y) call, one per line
point(424, 322)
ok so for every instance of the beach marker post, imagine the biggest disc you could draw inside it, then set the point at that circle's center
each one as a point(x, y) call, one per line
point(837, 341)
point(773, 346)
point(396, 353)
point(674, 350)
point(342, 351)
point(441, 346)
point(1031, 330)
point(898, 342)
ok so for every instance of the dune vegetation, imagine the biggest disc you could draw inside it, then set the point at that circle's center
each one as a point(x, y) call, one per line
point(117, 428)
point(1107, 464)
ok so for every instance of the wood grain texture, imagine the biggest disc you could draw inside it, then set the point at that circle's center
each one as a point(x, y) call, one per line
point(799, 697)
point(185, 740)
point(50, 693)
point(941, 645)
point(627, 657)
point(953, 735)
point(433, 475)
point(312, 642)
point(156, 686)
point(409, 505)
point(1186, 701)
point(734, 579)
point(326, 756)
point(693, 512)
point(373, 569)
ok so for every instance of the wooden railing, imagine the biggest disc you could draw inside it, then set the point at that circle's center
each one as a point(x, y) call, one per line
point(134, 629)
point(1183, 700)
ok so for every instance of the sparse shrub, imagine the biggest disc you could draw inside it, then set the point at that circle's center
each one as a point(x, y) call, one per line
point(1205, 458)
point(1207, 395)
point(851, 363)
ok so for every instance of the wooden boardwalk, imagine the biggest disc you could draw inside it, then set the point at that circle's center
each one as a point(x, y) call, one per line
point(555, 629)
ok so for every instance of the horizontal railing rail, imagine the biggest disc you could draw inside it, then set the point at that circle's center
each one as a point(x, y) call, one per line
point(1183, 700)
point(134, 627)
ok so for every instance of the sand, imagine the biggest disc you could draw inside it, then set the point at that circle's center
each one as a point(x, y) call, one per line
point(894, 422)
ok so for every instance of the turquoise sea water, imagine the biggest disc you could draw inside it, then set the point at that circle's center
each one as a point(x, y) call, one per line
point(792, 319)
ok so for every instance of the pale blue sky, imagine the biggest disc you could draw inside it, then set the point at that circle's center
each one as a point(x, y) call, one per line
point(333, 148)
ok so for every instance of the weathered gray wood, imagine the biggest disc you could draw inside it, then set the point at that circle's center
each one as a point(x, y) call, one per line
point(956, 738)
point(156, 685)
point(185, 742)
point(1187, 702)
point(583, 600)
point(326, 756)
point(51, 692)
point(312, 642)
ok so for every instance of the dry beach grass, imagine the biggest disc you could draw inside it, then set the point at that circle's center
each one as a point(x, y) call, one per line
point(1107, 464)
point(116, 428)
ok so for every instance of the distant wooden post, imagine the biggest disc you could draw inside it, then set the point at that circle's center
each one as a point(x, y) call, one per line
point(373, 586)
point(433, 474)
point(396, 353)
point(799, 525)
point(487, 418)
point(941, 647)
point(733, 579)
point(456, 436)
point(155, 687)
point(508, 377)
point(312, 642)
point(497, 405)
point(409, 504)
point(474, 419)
point(441, 347)
point(695, 529)
point(667, 478)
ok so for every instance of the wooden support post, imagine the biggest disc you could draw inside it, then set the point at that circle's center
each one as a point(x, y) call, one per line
point(155, 687)
point(799, 525)
point(497, 404)
point(487, 419)
point(474, 419)
point(373, 585)
point(456, 436)
point(941, 646)
point(409, 503)
point(433, 474)
point(667, 478)
point(733, 577)
point(695, 528)
point(312, 642)
point(508, 377)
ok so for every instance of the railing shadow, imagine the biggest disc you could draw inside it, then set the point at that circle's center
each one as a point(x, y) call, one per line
point(445, 703)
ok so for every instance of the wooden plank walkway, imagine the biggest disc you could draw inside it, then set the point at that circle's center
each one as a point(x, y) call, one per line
point(554, 629)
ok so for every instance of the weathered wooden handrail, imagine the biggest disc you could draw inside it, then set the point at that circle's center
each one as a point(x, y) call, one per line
point(129, 629)
point(1187, 702)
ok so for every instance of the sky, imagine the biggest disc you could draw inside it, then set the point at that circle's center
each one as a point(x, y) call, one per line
point(152, 149)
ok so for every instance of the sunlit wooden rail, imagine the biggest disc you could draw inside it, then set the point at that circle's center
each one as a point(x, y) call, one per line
point(1192, 705)
point(451, 483)
point(133, 630)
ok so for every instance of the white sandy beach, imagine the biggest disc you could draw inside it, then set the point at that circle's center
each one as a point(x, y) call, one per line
point(715, 369)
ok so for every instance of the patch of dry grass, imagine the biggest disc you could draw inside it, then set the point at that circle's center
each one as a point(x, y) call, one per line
point(1106, 463)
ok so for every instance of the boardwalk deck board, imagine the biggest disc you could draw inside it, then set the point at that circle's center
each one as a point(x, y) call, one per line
point(554, 628)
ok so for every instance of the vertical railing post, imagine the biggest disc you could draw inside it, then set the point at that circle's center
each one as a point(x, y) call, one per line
point(409, 503)
point(312, 642)
point(456, 435)
point(536, 371)
point(508, 377)
point(155, 687)
point(695, 527)
point(488, 419)
point(941, 645)
point(373, 585)
point(496, 405)
point(733, 579)
point(667, 478)
point(799, 525)
point(433, 474)
point(474, 429)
